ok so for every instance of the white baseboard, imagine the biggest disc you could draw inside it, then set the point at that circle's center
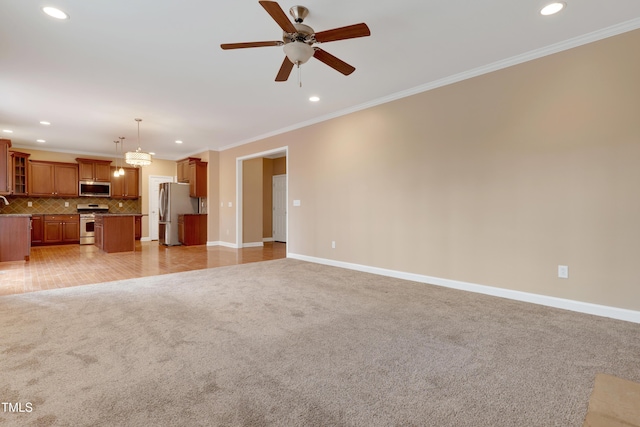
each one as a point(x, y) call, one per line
point(145, 239)
point(267, 239)
point(225, 244)
point(252, 245)
point(566, 304)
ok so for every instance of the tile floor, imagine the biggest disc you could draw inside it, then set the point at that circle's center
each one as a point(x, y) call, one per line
point(52, 267)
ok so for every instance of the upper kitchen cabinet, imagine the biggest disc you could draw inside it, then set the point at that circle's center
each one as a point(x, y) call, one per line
point(194, 172)
point(19, 168)
point(5, 167)
point(53, 179)
point(94, 170)
point(125, 186)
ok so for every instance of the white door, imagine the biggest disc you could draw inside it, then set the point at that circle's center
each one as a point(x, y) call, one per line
point(154, 189)
point(280, 208)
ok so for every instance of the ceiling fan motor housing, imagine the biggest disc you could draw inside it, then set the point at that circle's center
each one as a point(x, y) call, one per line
point(304, 33)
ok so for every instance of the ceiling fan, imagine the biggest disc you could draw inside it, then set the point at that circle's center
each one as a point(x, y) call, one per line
point(299, 39)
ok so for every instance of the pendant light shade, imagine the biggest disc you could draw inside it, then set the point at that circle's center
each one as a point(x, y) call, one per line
point(138, 157)
point(119, 172)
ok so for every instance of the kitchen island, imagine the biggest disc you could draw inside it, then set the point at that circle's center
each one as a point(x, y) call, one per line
point(115, 232)
point(15, 237)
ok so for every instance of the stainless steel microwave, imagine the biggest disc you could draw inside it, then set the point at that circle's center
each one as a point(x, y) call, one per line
point(94, 189)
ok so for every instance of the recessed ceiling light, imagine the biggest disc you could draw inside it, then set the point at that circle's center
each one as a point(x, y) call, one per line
point(55, 13)
point(552, 8)
point(178, 142)
point(7, 131)
point(45, 123)
point(41, 140)
point(314, 99)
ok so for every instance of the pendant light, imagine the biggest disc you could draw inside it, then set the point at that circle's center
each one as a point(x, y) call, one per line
point(116, 173)
point(121, 170)
point(138, 157)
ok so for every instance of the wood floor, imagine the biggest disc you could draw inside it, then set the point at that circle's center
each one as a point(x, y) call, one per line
point(52, 267)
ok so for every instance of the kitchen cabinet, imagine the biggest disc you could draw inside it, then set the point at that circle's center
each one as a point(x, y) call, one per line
point(61, 229)
point(15, 237)
point(126, 186)
point(183, 169)
point(5, 167)
point(198, 179)
point(115, 233)
point(37, 232)
point(192, 229)
point(53, 179)
point(138, 227)
point(19, 170)
point(193, 171)
point(94, 170)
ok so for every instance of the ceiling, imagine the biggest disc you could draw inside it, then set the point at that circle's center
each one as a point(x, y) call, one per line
point(160, 60)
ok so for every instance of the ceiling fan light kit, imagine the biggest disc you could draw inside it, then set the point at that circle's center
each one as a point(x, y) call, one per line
point(298, 52)
point(299, 39)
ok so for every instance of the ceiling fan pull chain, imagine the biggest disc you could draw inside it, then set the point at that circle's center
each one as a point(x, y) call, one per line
point(299, 75)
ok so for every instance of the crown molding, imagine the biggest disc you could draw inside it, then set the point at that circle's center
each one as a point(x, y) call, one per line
point(594, 36)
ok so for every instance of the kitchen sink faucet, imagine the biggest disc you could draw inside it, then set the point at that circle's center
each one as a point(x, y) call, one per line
point(6, 202)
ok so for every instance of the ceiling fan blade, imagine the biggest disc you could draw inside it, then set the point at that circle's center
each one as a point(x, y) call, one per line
point(276, 12)
point(342, 33)
point(333, 62)
point(227, 46)
point(285, 70)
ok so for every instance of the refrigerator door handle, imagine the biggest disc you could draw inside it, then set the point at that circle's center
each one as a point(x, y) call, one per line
point(163, 202)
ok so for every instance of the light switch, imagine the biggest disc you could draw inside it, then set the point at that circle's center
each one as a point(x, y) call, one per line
point(230, 204)
point(296, 203)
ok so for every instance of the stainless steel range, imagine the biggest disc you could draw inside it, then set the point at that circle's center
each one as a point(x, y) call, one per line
point(87, 213)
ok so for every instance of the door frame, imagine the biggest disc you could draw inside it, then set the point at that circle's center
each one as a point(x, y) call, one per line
point(151, 178)
point(239, 162)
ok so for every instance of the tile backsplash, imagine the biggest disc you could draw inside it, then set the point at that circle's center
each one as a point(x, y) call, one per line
point(54, 205)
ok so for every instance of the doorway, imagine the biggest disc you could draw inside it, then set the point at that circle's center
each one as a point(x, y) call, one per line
point(154, 189)
point(278, 152)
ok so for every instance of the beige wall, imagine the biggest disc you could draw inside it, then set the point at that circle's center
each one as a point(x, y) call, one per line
point(267, 198)
point(495, 180)
point(213, 196)
point(252, 201)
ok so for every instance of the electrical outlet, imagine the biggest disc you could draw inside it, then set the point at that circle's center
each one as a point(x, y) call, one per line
point(120, 204)
point(230, 204)
point(333, 244)
point(30, 204)
point(66, 204)
point(563, 271)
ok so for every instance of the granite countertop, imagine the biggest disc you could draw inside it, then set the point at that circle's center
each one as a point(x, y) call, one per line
point(14, 215)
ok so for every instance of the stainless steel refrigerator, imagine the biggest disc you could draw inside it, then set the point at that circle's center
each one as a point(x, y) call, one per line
point(173, 200)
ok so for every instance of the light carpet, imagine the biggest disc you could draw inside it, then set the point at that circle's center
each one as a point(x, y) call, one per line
point(290, 343)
